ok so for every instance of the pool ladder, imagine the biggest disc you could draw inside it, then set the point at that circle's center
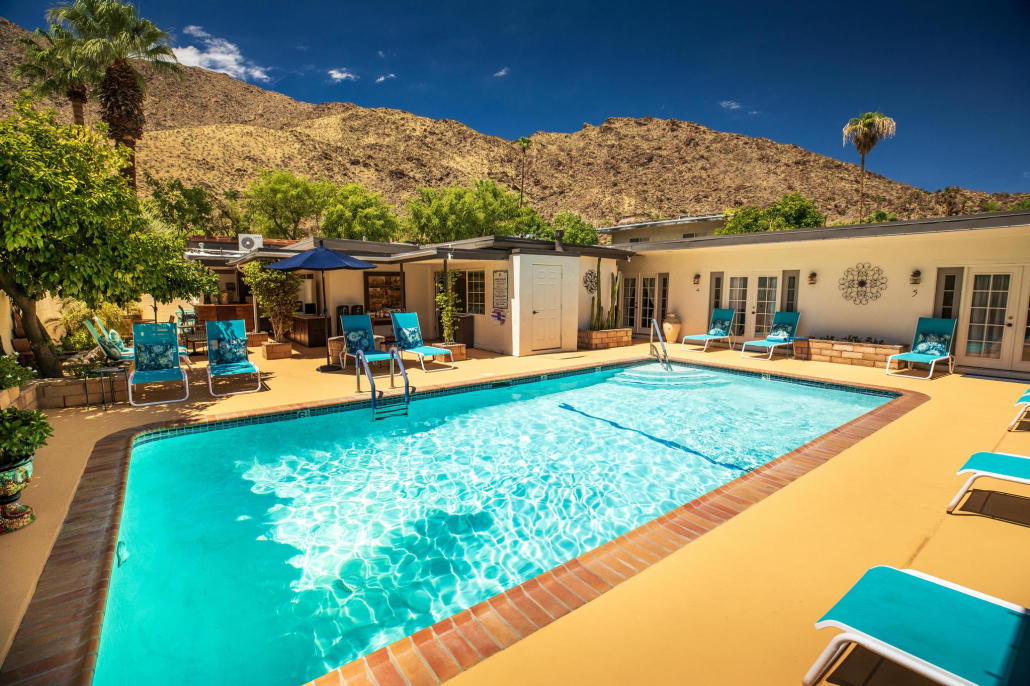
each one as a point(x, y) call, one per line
point(392, 409)
point(659, 354)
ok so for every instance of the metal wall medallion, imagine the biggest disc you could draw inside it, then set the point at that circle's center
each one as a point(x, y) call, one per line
point(590, 281)
point(862, 283)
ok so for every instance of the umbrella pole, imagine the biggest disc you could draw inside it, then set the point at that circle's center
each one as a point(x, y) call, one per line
point(325, 317)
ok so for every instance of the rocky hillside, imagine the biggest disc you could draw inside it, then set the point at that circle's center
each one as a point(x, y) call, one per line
point(213, 129)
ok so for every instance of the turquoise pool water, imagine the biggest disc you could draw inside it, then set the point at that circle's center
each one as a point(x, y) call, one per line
point(271, 553)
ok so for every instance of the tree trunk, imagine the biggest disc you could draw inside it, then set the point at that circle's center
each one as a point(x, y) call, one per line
point(129, 171)
point(77, 96)
point(861, 192)
point(39, 341)
point(77, 116)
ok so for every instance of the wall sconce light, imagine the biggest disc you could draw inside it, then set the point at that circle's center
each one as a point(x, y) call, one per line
point(811, 278)
point(697, 278)
point(916, 276)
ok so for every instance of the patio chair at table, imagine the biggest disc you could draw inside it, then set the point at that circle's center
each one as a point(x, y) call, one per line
point(782, 331)
point(156, 359)
point(932, 342)
point(409, 340)
point(720, 328)
point(947, 633)
point(227, 354)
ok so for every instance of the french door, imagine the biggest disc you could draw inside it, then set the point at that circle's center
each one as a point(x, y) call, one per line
point(644, 297)
point(994, 331)
point(755, 298)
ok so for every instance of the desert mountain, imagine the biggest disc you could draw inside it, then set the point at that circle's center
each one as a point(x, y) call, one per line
point(213, 129)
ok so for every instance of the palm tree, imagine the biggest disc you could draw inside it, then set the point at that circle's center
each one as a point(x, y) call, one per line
point(524, 144)
point(52, 73)
point(109, 33)
point(865, 132)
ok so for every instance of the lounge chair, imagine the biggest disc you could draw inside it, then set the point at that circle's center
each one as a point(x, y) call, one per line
point(1001, 466)
point(156, 359)
point(719, 329)
point(932, 343)
point(357, 335)
point(409, 340)
point(1023, 403)
point(112, 351)
point(940, 630)
point(227, 354)
point(782, 331)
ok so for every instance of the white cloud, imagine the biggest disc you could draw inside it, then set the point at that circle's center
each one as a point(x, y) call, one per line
point(385, 77)
point(1026, 175)
point(503, 72)
point(753, 112)
point(218, 54)
point(342, 75)
point(382, 54)
point(302, 47)
point(729, 104)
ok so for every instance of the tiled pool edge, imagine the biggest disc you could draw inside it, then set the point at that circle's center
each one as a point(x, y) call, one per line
point(59, 636)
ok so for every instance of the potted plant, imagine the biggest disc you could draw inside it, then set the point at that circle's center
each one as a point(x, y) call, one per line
point(447, 305)
point(276, 294)
point(22, 432)
point(604, 331)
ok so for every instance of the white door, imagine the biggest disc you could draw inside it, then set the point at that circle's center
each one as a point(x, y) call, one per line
point(991, 306)
point(546, 307)
point(755, 299)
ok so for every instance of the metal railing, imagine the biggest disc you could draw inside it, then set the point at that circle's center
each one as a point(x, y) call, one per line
point(380, 412)
point(661, 355)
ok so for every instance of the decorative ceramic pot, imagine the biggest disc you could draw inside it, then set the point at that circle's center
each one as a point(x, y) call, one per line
point(14, 477)
point(671, 327)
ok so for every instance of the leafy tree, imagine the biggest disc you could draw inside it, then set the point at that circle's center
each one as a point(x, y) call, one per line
point(110, 34)
point(70, 226)
point(447, 303)
point(523, 144)
point(231, 219)
point(53, 73)
point(1023, 204)
point(276, 294)
point(279, 202)
point(794, 211)
point(578, 231)
point(990, 206)
point(865, 131)
point(187, 209)
point(484, 208)
point(354, 212)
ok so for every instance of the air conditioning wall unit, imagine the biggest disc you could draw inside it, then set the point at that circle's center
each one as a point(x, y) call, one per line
point(251, 241)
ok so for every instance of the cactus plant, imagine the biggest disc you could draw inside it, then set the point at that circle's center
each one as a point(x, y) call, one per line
point(598, 319)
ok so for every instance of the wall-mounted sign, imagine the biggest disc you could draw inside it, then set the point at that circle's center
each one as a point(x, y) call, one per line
point(500, 289)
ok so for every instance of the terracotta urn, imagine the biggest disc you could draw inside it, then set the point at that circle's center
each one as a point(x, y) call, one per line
point(671, 327)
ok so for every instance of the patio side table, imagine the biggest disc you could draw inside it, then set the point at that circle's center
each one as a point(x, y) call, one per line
point(104, 373)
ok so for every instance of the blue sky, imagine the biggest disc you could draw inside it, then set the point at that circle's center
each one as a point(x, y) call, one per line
point(954, 75)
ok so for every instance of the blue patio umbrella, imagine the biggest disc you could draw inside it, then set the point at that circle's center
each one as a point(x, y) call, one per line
point(321, 259)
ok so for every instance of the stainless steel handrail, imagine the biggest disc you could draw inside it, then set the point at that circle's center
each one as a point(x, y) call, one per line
point(663, 358)
point(359, 356)
point(395, 355)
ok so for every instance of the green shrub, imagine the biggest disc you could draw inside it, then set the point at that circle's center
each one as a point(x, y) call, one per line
point(794, 211)
point(276, 293)
point(13, 374)
point(881, 216)
point(78, 341)
point(22, 433)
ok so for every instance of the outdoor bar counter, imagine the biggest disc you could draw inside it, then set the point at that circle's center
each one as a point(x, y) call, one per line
point(220, 313)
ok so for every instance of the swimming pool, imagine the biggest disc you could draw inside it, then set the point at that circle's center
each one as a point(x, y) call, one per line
point(271, 553)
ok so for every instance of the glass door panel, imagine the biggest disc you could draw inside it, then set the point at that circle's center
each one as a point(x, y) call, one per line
point(736, 297)
point(648, 296)
point(629, 301)
point(765, 304)
point(987, 311)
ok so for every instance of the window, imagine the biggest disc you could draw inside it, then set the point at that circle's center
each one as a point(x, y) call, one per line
point(691, 235)
point(737, 299)
point(987, 315)
point(470, 287)
point(715, 284)
point(949, 289)
point(629, 301)
point(765, 304)
point(384, 291)
point(663, 296)
point(475, 282)
point(640, 239)
point(789, 296)
point(648, 288)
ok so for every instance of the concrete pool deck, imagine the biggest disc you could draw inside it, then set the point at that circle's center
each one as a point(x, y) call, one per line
point(737, 605)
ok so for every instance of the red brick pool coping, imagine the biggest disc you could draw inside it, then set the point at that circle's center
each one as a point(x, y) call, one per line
point(59, 636)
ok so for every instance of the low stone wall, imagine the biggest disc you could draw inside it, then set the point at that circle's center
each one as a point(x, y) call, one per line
point(23, 397)
point(859, 354)
point(57, 393)
point(604, 339)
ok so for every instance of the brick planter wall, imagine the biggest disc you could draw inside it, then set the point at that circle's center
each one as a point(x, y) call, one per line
point(256, 339)
point(859, 354)
point(22, 397)
point(276, 351)
point(458, 349)
point(602, 340)
point(57, 393)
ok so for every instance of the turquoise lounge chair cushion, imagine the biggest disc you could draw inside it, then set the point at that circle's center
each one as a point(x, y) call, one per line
point(975, 639)
point(110, 349)
point(377, 356)
point(767, 343)
point(409, 338)
point(151, 375)
point(428, 351)
point(231, 368)
point(935, 344)
point(156, 356)
point(1025, 398)
point(1013, 466)
point(719, 328)
point(918, 357)
point(116, 338)
point(704, 336)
